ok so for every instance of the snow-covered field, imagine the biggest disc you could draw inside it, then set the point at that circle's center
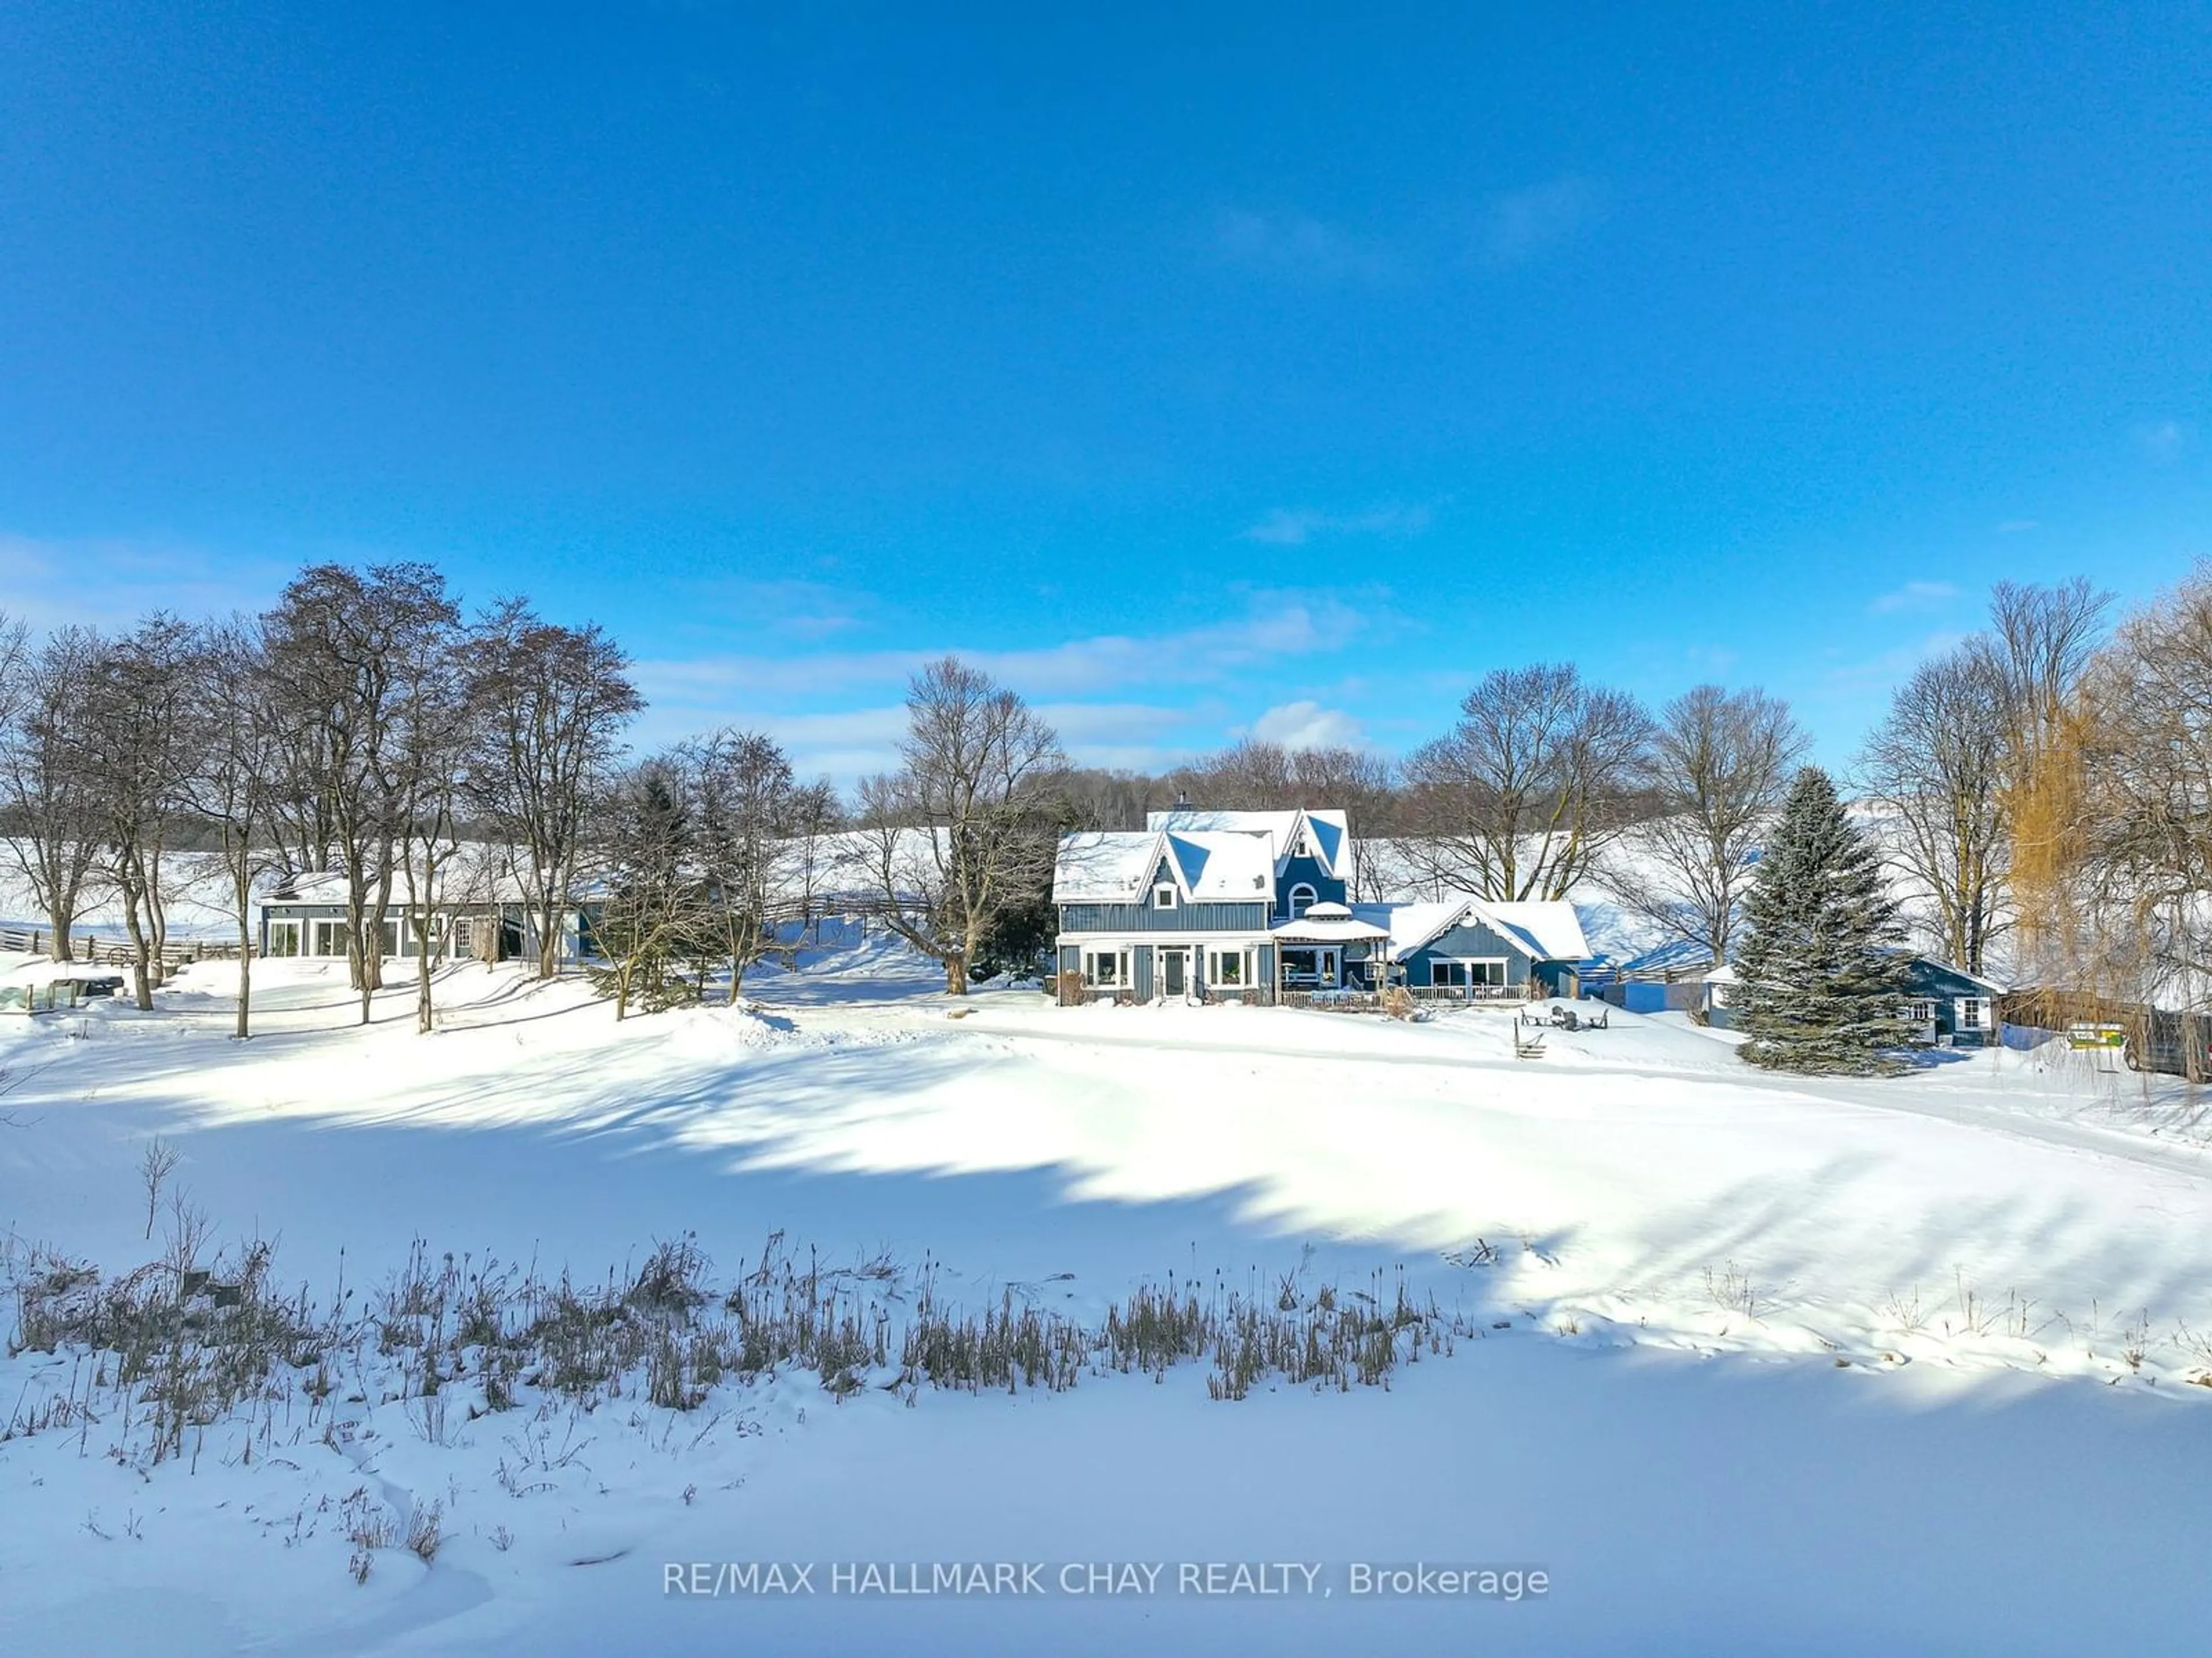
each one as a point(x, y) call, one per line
point(1742, 1363)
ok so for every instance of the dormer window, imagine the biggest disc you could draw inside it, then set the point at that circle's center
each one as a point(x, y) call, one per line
point(1164, 895)
point(1302, 900)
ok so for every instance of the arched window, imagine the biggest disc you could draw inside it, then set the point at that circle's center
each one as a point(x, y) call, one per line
point(1301, 899)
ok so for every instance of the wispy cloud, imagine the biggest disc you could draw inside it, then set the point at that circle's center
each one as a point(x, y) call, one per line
point(2164, 440)
point(852, 742)
point(1878, 673)
point(113, 581)
point(1307, 724)
point(1287, 526)
point(1277, 626)
point(793, 606)
point(1915, 596)
point(1521, 224)
point(1293, 246)
point(1712, 658)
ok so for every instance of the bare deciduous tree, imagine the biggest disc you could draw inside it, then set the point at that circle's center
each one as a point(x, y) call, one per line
point(1963, 736)
point(1934, 764)
point(343, 647)
point(556, 703)
point(748, 805)
point(49, 792)
point(236, 756)
point(438, 730)
point(1721, 762)
point(1517, 801)
point(138, 759)
point(2143, 873)
point(966, 828)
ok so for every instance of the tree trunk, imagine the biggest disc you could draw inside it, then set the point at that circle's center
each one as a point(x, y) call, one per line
point(955, 975)
point(424, 1007)
point(244, 893)
point(142, 989)
point(549, 939)
point(59, 917)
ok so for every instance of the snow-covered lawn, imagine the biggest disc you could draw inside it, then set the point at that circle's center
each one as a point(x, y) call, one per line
point(1743, 1364)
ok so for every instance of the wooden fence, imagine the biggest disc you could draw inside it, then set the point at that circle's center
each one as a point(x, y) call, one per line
point(95, 950)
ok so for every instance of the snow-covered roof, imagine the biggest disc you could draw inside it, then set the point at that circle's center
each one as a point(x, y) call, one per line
point(1115, 866)
point(1329, 924)
point(1547, 930)
point(478, 873)
point(1322, 830)
point(1725, 974)
point(1676, 955)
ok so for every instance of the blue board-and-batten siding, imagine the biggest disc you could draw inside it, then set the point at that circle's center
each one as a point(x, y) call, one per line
point(1305, 872)
point(1474, 941)
point(1183, 918)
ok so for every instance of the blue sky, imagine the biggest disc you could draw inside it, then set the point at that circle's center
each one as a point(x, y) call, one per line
point(1201, 370)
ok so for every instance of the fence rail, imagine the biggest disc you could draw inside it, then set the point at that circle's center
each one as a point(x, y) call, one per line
point(97, 951)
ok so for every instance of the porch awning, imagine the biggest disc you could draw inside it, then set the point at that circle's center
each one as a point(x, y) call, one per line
point(1329, 923)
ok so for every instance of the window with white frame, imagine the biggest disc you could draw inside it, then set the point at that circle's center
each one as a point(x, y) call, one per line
point(1301, 899)
point(1920, 1012)
point(1974, 1013)
point(1461, 974)
point(330, 938)
point(1164, 895)
point(283, 938)
point(1225, 967)
point(1102, 966)
point(465, 936)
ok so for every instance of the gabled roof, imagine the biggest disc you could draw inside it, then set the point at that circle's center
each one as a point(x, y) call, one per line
point(1917, 958)
point(1285, 831)
point(1116, 866)
point(1543, 930)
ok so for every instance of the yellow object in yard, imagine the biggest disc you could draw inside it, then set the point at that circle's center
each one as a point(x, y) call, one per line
point(2096, 1035)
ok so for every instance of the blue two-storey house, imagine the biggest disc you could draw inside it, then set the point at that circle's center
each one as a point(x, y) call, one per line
point(1218, 905)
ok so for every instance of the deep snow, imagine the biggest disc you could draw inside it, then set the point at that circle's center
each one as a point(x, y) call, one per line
point(1853, 1367)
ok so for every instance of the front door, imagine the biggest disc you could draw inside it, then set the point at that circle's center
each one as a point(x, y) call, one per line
point(1174, 972)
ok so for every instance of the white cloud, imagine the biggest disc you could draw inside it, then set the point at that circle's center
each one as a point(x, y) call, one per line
point(1292, 246)
point(1309, 725)
point(1277, 626)
point(1521, 224)
point(1881, 672)
point(849, 743)
point(2164, 440)
point(111, 582)
point(1915, 596)
point(1288, 526)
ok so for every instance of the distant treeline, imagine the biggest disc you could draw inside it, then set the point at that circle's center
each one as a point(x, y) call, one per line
point(2046, 778)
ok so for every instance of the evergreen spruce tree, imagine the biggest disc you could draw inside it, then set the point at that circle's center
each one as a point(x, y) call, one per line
point(1819, 981)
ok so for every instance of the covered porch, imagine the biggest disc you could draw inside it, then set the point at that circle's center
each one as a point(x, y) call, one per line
point(1328, 951)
